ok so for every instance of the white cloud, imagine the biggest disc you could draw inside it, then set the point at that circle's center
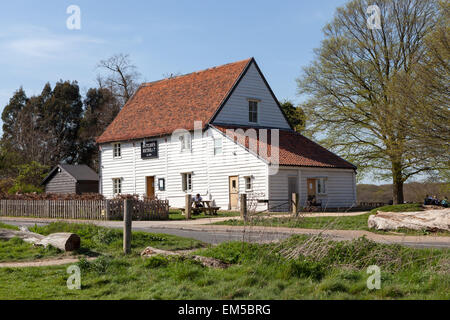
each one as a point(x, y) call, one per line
point(49, 46)
point(37, 42)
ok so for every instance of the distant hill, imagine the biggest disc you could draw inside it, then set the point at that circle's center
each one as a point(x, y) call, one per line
point(414, 191)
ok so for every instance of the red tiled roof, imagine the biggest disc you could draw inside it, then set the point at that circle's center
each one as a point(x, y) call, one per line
point(161, 107)
point(294, 149)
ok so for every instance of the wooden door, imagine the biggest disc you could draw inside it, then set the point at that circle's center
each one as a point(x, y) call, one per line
point(234, 192)
point(150, 187)
point(311, 187)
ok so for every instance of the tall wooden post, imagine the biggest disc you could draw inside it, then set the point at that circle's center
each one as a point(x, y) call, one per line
point(127, 221)
point(295, 203)
point(243, 207)
point(188, 206)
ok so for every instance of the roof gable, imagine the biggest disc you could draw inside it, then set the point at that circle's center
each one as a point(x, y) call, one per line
point(252, 85)
point(161, 107)
point(77, 172)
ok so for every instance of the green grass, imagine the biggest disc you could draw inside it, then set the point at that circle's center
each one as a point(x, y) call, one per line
point(16, 249)
point(399, 208)
point(8, 226)
point(100, 240)
point(321, 270)
point(95, 241)
point(176, 215)
point(334, 223)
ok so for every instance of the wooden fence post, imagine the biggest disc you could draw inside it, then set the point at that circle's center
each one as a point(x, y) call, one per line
point(127, 221)
point(243, 207)
point(107, 208)
point(295, 203)
point(188, 206)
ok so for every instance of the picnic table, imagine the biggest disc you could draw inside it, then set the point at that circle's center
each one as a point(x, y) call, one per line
point(206, 208)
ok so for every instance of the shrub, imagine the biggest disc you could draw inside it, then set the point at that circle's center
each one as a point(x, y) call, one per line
point(51, 196)
point(156, 261)
point(306, 269)
point(100, 265)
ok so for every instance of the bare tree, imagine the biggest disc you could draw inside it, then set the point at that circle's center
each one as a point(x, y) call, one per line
point(353, 85)
point(121, 77)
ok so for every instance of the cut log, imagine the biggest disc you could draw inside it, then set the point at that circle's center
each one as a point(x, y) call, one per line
point(205, 261)
point(431, 220)
point(62, 241)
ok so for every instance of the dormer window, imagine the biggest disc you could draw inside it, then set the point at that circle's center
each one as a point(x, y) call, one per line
point(252, 111)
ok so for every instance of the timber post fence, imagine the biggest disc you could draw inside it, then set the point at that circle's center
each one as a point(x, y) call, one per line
point(84, 209)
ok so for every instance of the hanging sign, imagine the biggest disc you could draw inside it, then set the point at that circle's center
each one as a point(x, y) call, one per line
point(149, 149)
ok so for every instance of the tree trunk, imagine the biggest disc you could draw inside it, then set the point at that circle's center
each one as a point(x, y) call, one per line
point(62, 241)
point(397, 183)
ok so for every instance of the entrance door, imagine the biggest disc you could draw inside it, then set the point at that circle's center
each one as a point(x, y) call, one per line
point(311, 187)
point(292, 188)
point(234, 192)
point(150, 182)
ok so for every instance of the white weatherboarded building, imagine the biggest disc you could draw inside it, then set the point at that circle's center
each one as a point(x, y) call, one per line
point(174, 138)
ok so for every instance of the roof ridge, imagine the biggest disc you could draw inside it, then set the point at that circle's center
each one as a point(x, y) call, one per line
point(146, 84)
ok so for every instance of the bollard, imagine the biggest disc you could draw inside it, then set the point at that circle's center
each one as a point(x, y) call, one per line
point(295, 203)
point(243, 207)
point(188, 206)
point(127, 221)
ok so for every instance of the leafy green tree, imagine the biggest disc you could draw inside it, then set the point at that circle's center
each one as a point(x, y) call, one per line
point(295, 115)
point(59, 121)
point(11, 113)
point(29, 178)
point(354, 104)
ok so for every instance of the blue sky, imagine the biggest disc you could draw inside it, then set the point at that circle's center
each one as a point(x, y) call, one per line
point(161, 37)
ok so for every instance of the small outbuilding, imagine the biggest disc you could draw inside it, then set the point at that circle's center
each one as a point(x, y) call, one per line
point(71, 179)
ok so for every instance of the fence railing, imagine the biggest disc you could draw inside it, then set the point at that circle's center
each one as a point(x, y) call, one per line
point(84, 209)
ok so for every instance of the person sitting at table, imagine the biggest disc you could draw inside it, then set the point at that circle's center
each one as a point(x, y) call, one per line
point(197, 203)
point(435, 201)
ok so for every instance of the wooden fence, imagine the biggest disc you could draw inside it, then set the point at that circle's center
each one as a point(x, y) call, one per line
point(84, 209)
point(142, 209)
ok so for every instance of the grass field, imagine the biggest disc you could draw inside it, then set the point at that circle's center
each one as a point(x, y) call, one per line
point(176, 215)
point(297, 268)
point(95, 241)
point(336, 223)
point(8, 226)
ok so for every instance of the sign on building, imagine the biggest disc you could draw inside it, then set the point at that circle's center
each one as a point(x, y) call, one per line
point(149, 149)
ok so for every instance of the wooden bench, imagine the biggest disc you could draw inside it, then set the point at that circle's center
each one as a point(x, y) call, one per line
point(206, 209)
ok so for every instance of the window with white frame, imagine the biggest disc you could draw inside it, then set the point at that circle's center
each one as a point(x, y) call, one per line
point(186, 181)
point(117, 185)
point(253, 111)
point(248, 183)
point(117, 152)
point(217, 146)
point(322, 186)
point(185, 142)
